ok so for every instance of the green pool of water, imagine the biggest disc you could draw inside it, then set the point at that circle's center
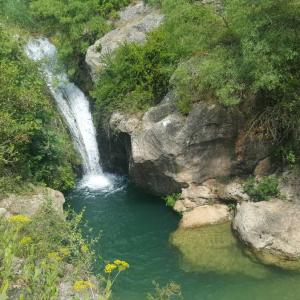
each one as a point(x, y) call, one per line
point(137, 227)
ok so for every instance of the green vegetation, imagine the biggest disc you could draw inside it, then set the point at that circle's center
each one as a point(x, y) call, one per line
point(171, 199)
point(34, 146)
point(38, 253)
point(137, 76)
point(262, 189)
point(72, 25)
point(168, 292)
point(241, 53)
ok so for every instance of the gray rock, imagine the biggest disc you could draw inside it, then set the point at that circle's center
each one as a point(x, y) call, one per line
point(232, 191)
point(263, 167)
point(183, 149)
point(3, 212)
point(30, 203)
point(289, 184)
point(271, 230)
point(166, 151)
point(135, 22)
point(205, 215)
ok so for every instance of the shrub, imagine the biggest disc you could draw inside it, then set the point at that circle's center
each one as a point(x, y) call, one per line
point(171, 199)
point(137, 76)
point(168, 292)
point(262, 189)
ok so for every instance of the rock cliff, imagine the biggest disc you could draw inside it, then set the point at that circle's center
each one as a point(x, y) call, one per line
point(165, 151)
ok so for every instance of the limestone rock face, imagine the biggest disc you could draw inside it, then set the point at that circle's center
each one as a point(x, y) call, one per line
point(166, 151)
point(209, 192)
point(29, 204)
point(271, 230)
point(135, 21)
point(205, 215)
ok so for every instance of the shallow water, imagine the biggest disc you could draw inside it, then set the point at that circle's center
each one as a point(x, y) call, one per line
point(136, 227)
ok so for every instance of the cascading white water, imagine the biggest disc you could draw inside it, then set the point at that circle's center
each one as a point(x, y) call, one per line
point(74, 107)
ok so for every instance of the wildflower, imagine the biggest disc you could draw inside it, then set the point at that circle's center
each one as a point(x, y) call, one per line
point(80, 285)
point(54, 256)
point(25, 240)
point(64, 251)
point(122, 265)
point(84, 248)
point(109, 268)
point(118, 262)
point(19, 219)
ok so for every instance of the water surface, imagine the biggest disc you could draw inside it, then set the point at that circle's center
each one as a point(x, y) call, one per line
point(136, 227)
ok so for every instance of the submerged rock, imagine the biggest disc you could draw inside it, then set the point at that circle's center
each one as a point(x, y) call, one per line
point(205, 215)
point(135, 21)
point(214, 249)
point(30, 203)
point(271, 230)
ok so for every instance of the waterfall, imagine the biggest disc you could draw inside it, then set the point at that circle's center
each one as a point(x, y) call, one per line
point(74, 107)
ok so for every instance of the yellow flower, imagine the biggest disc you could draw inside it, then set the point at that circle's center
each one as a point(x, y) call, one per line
point(118, 262)
point(80, 285)
point(54, 256)
point(84, 248)
point(64, 251)
point(25, 240)
point(19, 219)
point(109, 268)
point(122, 265)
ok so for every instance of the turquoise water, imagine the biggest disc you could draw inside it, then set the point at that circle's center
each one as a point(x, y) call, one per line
point(136, 227)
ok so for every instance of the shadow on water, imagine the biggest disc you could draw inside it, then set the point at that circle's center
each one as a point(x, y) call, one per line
point(208, 263)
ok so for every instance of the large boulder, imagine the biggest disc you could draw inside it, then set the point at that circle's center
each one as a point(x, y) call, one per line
point(166, 151)
point(271, 230)
point(31, 202)
point(135, 22)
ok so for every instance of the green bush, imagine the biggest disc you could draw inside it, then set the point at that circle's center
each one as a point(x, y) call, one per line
point(171, 199)
point(137, 76)
point(168, 292)
point(262, 189)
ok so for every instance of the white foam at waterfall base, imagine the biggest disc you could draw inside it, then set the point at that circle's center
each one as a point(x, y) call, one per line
point(96, 182)
point(75, 108)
